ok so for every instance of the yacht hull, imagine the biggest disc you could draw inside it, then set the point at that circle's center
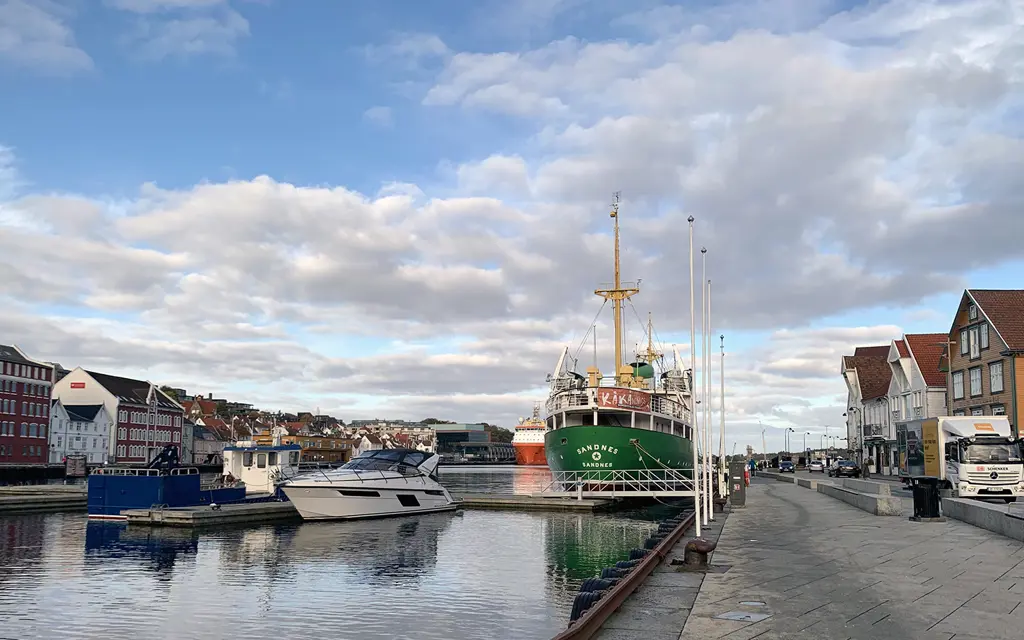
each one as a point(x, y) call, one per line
point(354, 503)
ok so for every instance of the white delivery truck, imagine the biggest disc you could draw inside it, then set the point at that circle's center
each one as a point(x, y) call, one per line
point(974, 456)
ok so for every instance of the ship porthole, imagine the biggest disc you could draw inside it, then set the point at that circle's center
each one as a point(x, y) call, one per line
point(565, 440)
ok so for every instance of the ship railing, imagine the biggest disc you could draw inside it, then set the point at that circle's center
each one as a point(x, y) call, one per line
point(659, 404)
point(565, 401)
point(620, 483)
point(669, 407)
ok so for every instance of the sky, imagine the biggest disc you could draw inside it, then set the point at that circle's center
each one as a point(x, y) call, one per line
point(400, 209)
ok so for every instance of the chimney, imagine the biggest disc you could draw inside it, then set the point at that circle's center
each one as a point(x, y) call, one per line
point(209, 396)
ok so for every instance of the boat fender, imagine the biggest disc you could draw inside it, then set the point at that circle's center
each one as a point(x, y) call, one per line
point(653, 541)
point(614, 572)
point(598, 584)
point(636, 554)
point(666, 527)
point(626, 564)
point(214, 506)
point(583, 602)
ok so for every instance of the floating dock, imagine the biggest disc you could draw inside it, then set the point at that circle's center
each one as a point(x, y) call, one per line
point(205, 516)
point(534, 502)
point(264, 512)
point(42, 497)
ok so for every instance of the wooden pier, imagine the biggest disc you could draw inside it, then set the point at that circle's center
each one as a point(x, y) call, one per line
point(264, 512)
point(205, 516)
point(42, 497)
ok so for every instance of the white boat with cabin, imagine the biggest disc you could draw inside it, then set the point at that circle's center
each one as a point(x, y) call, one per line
point(376, 484)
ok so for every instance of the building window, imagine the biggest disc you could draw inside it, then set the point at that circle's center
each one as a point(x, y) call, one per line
point(975, 343)
point(975, 382)
point(959, 412)
point(958, 386)
point(972, 312)
point(977, 411)
point(984, 335)
point(999, 410)
point(995, 377)
point(963, 342)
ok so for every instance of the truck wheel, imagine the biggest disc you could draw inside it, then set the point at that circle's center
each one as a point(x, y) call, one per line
point(1009, 500)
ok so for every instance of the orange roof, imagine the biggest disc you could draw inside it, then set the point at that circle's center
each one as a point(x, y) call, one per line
point(901, 347)
point(926, 349)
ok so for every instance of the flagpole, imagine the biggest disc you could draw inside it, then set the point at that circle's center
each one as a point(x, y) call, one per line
point(721, 420)
point(703, 378)
point(708, 421)
point(693, 394)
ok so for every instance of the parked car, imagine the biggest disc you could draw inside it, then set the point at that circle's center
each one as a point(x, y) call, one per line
point(787, 466)
point(847, 468)
point(815, 465)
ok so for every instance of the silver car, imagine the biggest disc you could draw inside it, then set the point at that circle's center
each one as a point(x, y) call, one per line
point(815, 465)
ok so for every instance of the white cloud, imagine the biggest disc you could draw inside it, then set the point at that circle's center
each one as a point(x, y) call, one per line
point(36, 35)
point(184, 28)
point(154, 6)
point(823, 165)
point(380, 116)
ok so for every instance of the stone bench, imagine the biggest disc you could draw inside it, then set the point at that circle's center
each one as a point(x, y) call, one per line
point(781, 477)
point(875, 503)
point(867, 486)
point(998, 518)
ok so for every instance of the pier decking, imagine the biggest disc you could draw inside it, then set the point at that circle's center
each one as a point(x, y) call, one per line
point(228, 514)
point(263, 512)
point(43, 497)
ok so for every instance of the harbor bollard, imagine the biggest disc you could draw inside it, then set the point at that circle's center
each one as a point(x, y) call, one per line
point(695, 554)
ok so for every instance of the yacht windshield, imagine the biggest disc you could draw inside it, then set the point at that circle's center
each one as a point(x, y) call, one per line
point(992, 453)
point(386, 460)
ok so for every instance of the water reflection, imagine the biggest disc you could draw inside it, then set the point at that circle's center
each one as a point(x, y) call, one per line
point(479, 574)
point(152, 549)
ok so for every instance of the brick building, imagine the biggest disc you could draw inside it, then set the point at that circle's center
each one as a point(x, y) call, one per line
point(144, 418)
point(25, 389)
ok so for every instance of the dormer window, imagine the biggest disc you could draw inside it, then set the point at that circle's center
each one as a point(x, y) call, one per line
point(972, 312)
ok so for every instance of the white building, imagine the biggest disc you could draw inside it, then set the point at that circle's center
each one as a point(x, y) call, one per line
point(867, 375)
point(366, 442)
point(80, 430)
point(147, 418)
point(918, 387)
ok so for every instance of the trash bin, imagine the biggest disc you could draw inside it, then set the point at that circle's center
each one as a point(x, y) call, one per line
point(926, 497)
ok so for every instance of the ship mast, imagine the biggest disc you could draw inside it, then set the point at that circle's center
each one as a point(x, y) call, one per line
point(617, 294)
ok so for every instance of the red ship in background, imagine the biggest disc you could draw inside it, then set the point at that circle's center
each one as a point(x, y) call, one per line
point(529, 440)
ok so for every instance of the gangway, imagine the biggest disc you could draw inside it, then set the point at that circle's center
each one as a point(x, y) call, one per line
point(623, 483)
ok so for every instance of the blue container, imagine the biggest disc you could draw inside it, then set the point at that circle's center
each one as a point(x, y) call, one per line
point(111, 493)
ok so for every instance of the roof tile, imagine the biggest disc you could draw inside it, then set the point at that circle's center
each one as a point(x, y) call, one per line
point(1005, 310)
point(926, 349)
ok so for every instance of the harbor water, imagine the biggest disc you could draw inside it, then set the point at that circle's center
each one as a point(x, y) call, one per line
point(473, 574)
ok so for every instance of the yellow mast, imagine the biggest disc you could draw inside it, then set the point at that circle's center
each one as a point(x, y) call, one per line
point(617, 294)
point(651, 354)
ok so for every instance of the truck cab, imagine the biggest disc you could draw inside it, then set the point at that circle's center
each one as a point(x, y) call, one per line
point(981, 458)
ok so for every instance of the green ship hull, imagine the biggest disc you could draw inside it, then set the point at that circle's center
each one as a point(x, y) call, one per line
point(601, 448)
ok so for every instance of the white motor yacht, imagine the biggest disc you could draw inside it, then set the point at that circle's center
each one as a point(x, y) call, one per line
point(375, 484)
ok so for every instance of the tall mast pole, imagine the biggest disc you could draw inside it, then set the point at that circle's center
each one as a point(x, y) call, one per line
point(703, 378)
point(708, 421)
point(693, 394)
point(721, 418)
point(617, 294)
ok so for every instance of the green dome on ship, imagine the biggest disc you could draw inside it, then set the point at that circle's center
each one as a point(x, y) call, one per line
point(642, 370)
